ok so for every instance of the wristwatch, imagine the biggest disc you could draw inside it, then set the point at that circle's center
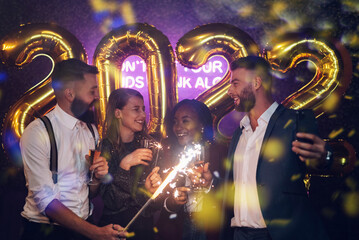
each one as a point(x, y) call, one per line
point(329, 155)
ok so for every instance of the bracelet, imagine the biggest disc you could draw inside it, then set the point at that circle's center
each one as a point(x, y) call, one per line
point(165, 206)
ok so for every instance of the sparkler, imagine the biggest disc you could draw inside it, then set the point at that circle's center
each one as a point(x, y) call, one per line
point(185, 159)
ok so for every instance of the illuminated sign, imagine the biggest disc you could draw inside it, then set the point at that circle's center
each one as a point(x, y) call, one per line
point(190, 82)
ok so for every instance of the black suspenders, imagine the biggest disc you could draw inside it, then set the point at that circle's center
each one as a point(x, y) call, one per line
point(53, 150)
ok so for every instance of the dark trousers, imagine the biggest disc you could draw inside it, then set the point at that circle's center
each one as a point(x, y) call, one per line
point(141, 228)
point(43, 231)
point(191, 231)
point(246, 233)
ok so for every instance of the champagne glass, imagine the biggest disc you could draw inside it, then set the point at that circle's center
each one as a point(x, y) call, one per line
point(197, 167)
point(145, 143)
point(155, 147)
point(93, 153)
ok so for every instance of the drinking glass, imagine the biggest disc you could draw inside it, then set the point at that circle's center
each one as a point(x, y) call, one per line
point(154, 146)
point(197, 166)
point(93, 153)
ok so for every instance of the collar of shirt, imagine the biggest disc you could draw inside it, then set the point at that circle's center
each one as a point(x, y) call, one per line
point(265, 117)
point(64, 118)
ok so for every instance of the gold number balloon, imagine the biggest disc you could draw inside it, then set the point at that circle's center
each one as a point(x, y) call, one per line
point(21, 47)
point(194, 49)
point(331, 62)
point(151, 45)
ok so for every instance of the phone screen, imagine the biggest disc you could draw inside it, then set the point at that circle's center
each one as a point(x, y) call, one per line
point(302, 126)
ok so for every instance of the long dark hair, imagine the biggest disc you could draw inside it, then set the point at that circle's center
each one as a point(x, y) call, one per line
point(204, 116)
point(117, 100)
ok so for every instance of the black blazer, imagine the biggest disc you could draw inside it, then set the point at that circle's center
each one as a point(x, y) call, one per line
point(282, 195)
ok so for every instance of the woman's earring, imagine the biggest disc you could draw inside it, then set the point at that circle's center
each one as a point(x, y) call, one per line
point(202, 130)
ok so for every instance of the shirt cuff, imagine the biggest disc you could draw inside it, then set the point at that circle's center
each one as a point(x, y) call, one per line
point(45, 196)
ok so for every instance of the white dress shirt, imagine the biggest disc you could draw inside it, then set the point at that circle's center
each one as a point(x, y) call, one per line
point(247, 212)
point(73, 140)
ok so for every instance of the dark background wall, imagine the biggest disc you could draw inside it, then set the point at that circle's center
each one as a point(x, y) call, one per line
point(337, 198)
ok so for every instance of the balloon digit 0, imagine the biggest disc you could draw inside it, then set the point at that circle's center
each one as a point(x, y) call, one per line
point(151, 45)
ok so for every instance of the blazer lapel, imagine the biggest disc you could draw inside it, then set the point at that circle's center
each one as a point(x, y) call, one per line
point(270, 127)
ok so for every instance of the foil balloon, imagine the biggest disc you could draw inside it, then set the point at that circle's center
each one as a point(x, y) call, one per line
point(20, 48)
point(194, 49)
point(332, 67)
point(155, 49)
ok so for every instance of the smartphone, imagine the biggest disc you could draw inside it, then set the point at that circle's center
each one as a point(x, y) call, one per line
point(302, 126)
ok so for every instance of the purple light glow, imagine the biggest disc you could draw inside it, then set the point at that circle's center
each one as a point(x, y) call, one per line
point(190, 82)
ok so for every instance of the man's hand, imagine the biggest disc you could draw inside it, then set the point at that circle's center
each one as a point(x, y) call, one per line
point(60, 214)
point(111, 232)
point(309, 151)
point(153, 180)
point(99, 165)
point(100, 168)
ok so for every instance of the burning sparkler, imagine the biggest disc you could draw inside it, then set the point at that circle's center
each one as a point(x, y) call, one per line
point(186, 157)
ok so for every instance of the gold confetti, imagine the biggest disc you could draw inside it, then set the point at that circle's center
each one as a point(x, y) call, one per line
point(295, 177)
point(331, 103)
point(335, 133)
point(351, 133)
point(273, 149)
point(290, 121)
point(350, 204)
point(245, 11)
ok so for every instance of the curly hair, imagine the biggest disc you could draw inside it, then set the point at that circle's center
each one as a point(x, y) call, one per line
point(204, 116)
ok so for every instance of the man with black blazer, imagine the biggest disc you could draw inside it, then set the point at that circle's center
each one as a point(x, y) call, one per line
point(269, 162)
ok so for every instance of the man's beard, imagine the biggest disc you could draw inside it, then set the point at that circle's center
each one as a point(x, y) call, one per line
point(82, 110)
point(247, 100)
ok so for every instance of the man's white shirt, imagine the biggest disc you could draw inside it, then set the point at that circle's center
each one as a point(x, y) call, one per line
point(247, 212)
point(73, 139)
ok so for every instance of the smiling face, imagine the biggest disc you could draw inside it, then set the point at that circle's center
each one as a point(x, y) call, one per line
point(132, 116)
point(187, 126)
point(241, 89)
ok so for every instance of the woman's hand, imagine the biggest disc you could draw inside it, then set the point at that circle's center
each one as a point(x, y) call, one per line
point(201, 178)
point(153, 180)
point(137, 157)
point(180, 195)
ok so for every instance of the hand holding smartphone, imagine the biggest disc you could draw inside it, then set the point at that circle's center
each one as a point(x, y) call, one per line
point(302, 126)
